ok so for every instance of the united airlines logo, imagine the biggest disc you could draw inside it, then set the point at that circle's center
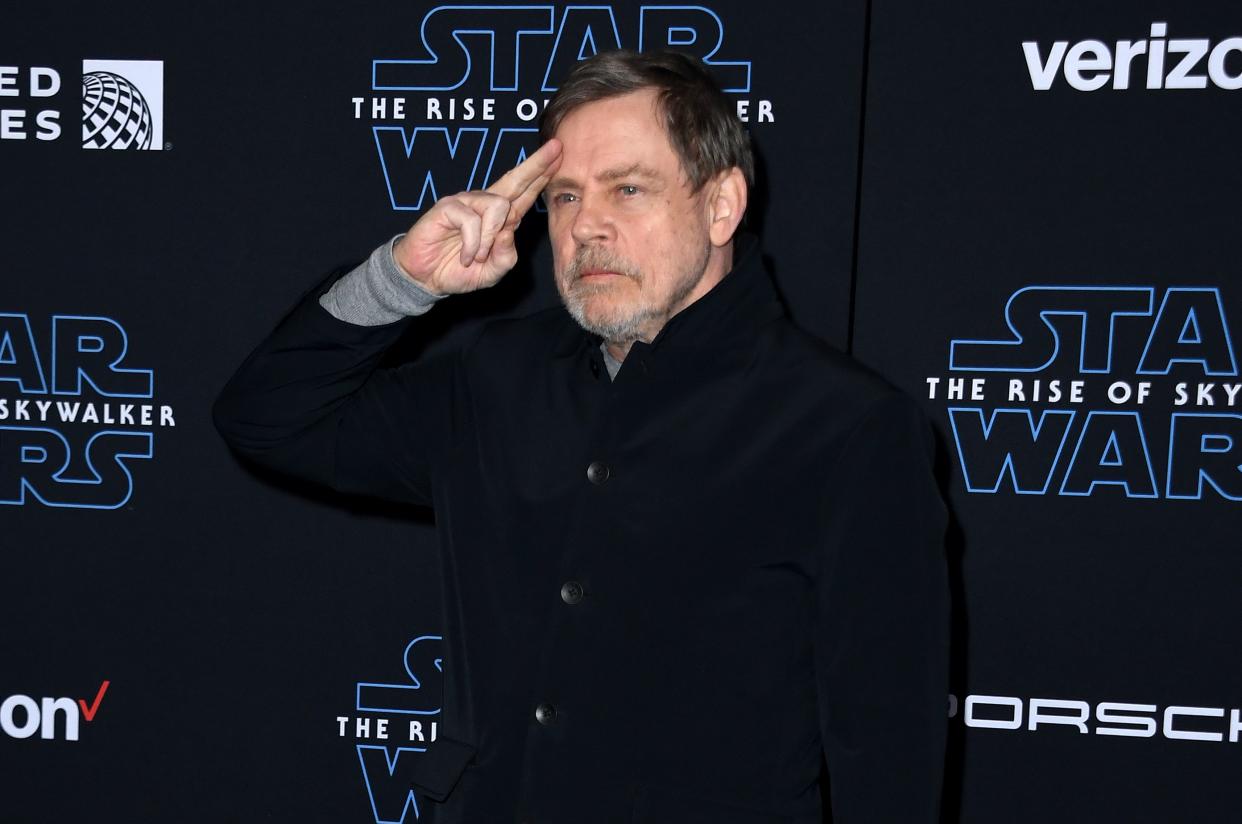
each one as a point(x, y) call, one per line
point(463, 106)
point(121, 104)
point(393, 725)
point(75, 414)
point(1129, 391)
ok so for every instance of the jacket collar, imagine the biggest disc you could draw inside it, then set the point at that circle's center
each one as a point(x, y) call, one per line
point(729, 314)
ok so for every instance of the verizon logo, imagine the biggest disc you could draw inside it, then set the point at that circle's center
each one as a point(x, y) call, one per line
point(22, 716)
point(1156, 63)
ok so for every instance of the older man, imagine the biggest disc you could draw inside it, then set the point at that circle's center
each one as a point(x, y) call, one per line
point(687, 549)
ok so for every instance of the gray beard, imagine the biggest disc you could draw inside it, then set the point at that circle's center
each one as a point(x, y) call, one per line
point(640, 322)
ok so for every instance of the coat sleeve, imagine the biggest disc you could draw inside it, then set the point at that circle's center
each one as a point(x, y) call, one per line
point(311, 403)
point(881, 652)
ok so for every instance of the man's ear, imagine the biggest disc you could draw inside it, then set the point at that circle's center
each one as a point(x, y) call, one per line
point(726, 205)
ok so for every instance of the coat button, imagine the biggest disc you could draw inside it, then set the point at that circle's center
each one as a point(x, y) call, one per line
point(545, 713)
point(572, 592)
point(598, 472)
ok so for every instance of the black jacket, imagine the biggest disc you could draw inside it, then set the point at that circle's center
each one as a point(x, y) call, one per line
point(751, 522)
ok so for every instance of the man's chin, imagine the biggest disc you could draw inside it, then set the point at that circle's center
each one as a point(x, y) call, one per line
point(610, 319)
point(597, 304)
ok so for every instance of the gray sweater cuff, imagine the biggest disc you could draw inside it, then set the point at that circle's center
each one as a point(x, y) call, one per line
point(377, 292)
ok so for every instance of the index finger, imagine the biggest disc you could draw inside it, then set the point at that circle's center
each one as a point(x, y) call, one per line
point(518, 180)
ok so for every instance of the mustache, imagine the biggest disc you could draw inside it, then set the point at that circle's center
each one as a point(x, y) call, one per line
point(595, 258)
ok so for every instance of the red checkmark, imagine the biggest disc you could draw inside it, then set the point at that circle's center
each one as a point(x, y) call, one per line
point(94, 707)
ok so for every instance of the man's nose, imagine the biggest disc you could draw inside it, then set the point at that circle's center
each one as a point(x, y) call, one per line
point(593, 222)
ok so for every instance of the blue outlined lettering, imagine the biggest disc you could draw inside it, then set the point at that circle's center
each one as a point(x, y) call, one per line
point(1190, 332)
point(1013, 449)
point(1009, 443)
point(494, 45)
point(697, 31)
point(1078, 328)
point(1035, 342)
point(422, 655)
point(86, 355)
point(596, 25)
point(681, 36)
point(89, 349)
point(36, 460)
point(411, 162)
point(1190, 327)
point(450, 62)
point(391, 794)
point(407, 161)
point(1111, 450)
point(1205, 448)
point(386, 771)
point(465, 44)
point(19, 359)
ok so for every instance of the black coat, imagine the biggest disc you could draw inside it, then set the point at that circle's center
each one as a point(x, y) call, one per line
point(749, 518)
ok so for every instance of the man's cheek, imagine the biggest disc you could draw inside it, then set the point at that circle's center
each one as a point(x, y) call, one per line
point(559, 261)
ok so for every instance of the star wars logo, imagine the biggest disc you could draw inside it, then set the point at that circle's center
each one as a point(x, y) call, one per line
point(69, 431)
point(393, 725)
point(1126, 391)
point(493, 68)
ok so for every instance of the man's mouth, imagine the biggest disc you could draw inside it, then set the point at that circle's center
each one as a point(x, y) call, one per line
point(595, 266)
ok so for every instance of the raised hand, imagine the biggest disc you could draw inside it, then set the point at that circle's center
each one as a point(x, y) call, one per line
point(465, 241)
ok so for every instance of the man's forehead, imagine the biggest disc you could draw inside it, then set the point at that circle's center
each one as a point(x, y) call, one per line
point(641, 103)
point(620, 136)
point(613, 123)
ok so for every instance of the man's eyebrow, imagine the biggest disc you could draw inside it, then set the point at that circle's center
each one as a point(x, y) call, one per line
point(633, 170)
point(619, 173)
point(561, 183)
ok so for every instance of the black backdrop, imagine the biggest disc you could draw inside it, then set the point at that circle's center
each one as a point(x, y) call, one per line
point(937, 198)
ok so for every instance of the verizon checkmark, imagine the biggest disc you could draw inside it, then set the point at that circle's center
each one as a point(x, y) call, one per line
point(89, 712)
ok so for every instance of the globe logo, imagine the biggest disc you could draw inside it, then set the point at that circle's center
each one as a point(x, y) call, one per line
point(115, 115)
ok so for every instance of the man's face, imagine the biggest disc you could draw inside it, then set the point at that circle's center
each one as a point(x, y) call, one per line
point(630, 240)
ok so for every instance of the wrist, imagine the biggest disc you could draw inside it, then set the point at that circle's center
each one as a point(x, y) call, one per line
point(394, 255)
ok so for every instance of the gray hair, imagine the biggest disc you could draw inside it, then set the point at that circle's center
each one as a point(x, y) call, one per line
point(697, 117)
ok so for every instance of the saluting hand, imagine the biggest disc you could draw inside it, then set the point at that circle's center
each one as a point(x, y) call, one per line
point(465, 241)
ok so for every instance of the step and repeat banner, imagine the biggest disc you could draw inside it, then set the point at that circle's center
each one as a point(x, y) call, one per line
point(1026, 217)
point(1049, 258)
point(183, 639)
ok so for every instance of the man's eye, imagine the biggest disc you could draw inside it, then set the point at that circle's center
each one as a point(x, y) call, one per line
point(564, 197)
point(627, 190)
